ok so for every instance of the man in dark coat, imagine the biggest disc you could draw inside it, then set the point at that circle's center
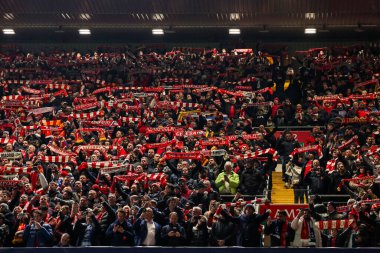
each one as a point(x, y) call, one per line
point(249, 234)
point(281, 234)
point(121, 232)
point(147, 230)
point(173, 234)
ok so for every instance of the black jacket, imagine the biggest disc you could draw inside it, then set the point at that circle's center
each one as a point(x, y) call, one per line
point(223, 230)
point(251, 181)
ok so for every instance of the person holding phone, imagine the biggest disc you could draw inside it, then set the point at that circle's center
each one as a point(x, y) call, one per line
point(38, 233)
point(307, 233)
point(147, 230)
point(173, 234)
point(85, 228)
point(121, 233)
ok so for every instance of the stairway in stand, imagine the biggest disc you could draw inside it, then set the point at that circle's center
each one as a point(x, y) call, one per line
point(280, 195)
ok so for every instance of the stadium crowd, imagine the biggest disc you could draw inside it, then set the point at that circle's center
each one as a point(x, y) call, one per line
point(137, 148)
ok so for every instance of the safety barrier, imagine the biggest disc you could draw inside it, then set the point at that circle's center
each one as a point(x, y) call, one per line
point(186, 250)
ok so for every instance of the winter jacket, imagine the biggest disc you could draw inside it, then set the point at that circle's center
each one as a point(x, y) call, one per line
point(127, 238)
point(223, 230)
point(173, 241)
point(298, 242)
point(141, 229)
point(227, 187)
point(249, 234)
point(251, 181)
point(38, 237)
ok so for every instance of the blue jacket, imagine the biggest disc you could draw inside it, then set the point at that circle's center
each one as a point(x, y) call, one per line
point(141, 230)
point(173, 241)
point(121, 239)
point(38, 237)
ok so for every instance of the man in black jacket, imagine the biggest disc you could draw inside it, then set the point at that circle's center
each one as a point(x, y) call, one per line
point(249, 234)
point(252, 178)
point(280, 231)
point(196, 228)
point(121, 233)
point(173, 234)
point(285, 147)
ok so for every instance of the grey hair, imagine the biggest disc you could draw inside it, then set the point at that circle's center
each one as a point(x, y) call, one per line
point(228, 164)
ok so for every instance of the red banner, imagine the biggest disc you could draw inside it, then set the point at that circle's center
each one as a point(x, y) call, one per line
point(301, 136)
point(290, 209)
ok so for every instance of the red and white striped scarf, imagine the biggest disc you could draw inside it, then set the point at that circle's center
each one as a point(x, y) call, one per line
point(15, 170)
point(175, 80)
point(176, 91)
point(308, 149)
point(42, 110)
point(182, 133)
point(9, 184)
point(116, 169)
point(373, 81)
point(56, 159)
point(11, 155)
point(77, 149)
point(327, 97)
point(7, 140)
point(153, 89)
point(128, 107)
point(85, 100)
point(100, 165)
point(160, 145)
point(129, 119)
point(357, 120)
point(189, 86)
point(202, 90)
point(59, 93)
point(61, 151)
point(100, 123)
point(267, 89)
point(369, 96)
point(244, 136)
point(238, 204)
point(180, 155)
point(12, 97)
point(214, 142)
point(243, 81)
point(244, 88)
point(349, 142)
point(254, 155)
point(57, 86)
point(57, 122)
point(128, 88)
point(270, 103)
point(358, 179)
point(151, 130)
point(231, 93)
point(373, 149)
point(102, 90)
point(165, 105)
point(88, 115)
point(330, 166)
point(88, 106)
point(21, 82)
point(188, 105)
point(333, 224)
point(30, 90)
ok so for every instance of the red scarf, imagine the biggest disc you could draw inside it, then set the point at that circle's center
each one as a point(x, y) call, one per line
point(308, 167)
point(232, 111)
point(284, 230)
point(305, 234)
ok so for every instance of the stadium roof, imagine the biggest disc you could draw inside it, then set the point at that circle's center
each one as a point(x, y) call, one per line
point(136, 18)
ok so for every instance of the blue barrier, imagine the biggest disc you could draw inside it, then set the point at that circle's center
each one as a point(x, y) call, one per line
point(186, 250)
